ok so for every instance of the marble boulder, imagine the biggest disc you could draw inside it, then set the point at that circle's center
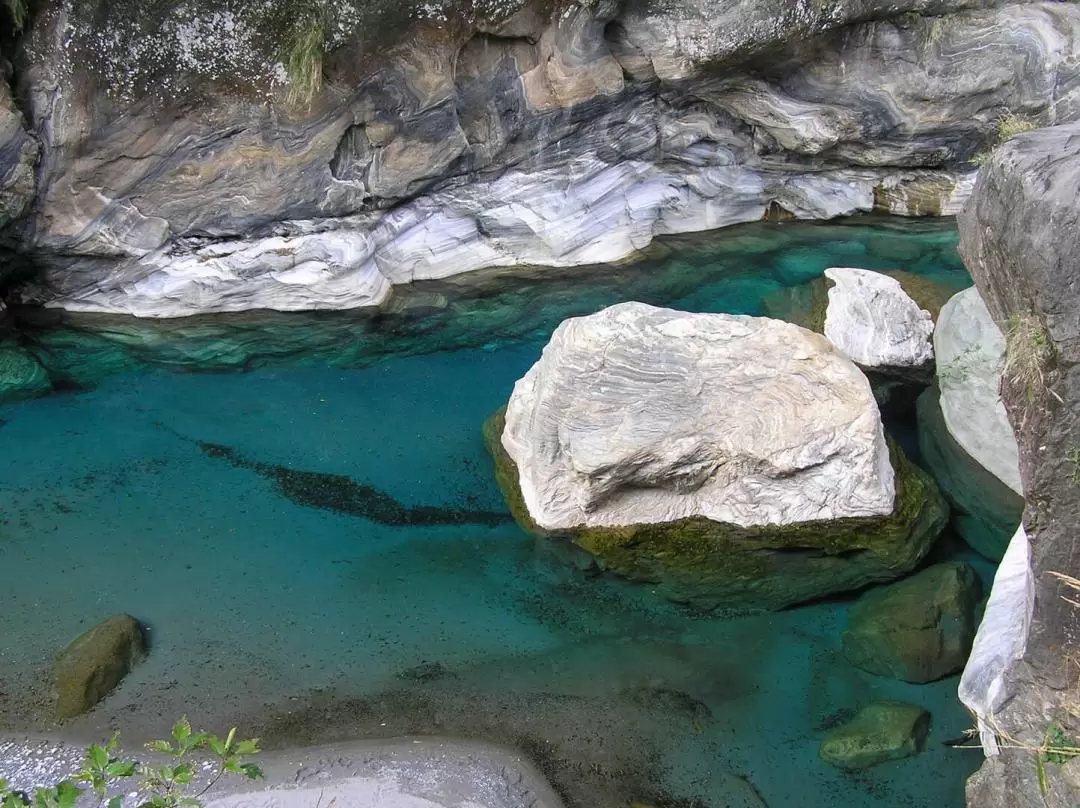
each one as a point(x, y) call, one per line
point(736, 462)
point(964, 433)
point(872, 320)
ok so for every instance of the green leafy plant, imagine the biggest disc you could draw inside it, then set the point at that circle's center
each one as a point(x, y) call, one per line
point(962, 365)
point(1073, 456)
point(170, 785)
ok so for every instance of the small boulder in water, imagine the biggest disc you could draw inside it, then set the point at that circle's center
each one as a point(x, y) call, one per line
point(88, 669)
point(883, 731)
point(918, 630)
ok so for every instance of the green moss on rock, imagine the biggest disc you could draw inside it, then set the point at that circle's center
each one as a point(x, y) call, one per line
point(880, 732)
point(917, 630)
point(88, 669)
point(718, 565)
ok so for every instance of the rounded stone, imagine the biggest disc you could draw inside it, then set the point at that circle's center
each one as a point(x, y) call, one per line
point(917, 630)
point(879, 732)
point(95, 663)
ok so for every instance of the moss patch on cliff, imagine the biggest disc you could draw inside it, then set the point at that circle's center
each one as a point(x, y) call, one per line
point(719, 565)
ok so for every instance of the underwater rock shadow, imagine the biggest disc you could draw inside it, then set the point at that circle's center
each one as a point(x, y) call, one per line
point(342, 494)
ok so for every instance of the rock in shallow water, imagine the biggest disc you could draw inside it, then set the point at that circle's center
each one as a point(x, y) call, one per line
point(737, 462)
point(95, 663)
point(917, 630)
point(880, 732)
point(21, 375)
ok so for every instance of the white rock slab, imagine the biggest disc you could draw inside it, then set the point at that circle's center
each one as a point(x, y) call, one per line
point(873, 321)
point(1000, 640)
point(640, 414)
point(971, 357)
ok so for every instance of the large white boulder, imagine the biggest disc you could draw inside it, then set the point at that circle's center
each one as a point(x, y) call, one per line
point(639, 415)
point(873, 321)
point(971, 357)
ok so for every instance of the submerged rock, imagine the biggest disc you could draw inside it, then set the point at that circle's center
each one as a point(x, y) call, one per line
point(880, 732)
point(88, 669)
point(918, 630)
point(735, 461)
point(21, 375)
point(964, 433)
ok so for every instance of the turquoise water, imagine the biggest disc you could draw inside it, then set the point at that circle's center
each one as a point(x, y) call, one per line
point(320, 552)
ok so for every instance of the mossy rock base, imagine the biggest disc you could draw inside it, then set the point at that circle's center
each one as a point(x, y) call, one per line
point(88, 669)
point(985, 511)
point(21, 375)
point(714, 565)
point(880, 732)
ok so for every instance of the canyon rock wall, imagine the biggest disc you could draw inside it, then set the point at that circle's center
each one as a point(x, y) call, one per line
point(179, 173)
point(1020, 237)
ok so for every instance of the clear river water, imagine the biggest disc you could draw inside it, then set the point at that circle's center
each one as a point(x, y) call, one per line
point(310, 529)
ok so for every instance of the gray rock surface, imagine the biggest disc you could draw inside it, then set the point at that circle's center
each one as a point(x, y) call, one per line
point(639, 415)
point(173, 171)
point(872, 321)
point(1020, 237)
point(879, 732)
point(917, 630)
point(18, 156)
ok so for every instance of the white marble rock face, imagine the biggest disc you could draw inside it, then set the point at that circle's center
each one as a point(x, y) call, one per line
point(971, 358)
point(638, 415)
point(873, 321)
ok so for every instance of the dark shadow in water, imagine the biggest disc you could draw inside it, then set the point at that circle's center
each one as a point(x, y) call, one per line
point(341, 494)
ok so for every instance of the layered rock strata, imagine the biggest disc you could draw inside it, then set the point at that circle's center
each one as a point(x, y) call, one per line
point(1020, 237)
point(176, 178)
point(738, 461)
